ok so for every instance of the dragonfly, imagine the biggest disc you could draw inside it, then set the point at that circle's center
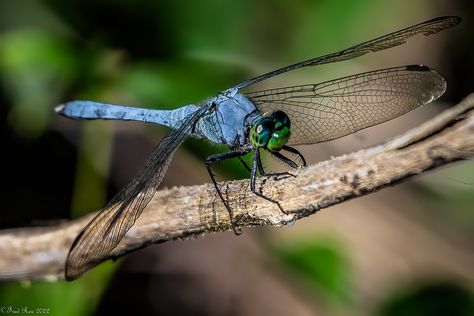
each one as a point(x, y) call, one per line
point(272, 121)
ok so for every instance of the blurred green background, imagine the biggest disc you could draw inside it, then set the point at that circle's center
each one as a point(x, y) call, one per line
point(404, 251)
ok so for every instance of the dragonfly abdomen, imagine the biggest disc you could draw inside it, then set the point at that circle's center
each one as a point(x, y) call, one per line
point(96, 110)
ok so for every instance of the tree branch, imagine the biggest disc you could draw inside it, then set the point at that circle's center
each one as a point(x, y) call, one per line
point(40, 253)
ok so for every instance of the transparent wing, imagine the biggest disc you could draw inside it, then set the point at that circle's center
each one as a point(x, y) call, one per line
point(387, 41)
point(106, 230)
point(332, 109)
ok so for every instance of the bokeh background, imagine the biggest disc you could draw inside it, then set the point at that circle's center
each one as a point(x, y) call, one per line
point(407, 250)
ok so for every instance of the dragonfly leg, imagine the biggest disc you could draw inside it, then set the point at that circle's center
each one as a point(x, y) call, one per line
point(235, 153)
point(253, 177)
point(260, 166)
point(287, 161)
point(297, 153)
point(261, 170)
point(246, 166)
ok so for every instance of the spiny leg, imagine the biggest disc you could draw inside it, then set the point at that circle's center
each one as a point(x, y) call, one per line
point(260, 166)
point(236, 152)
point(246, 166)
point(277, 175)
point(287, 161)
point(296, 152)
point(253, 177)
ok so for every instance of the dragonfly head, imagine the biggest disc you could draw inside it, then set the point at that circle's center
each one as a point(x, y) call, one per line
point(271, 132)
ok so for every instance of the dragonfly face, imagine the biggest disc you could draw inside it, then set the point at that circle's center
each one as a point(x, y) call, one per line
point(271, 132)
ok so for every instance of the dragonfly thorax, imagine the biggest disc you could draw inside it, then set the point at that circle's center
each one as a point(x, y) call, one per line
point(271, 132)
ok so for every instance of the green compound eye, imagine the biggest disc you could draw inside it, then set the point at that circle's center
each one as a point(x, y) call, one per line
point(271, 132)
point(281, 132)
point(261, 132)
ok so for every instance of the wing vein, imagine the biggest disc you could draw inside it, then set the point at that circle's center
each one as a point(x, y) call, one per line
point(335, 108)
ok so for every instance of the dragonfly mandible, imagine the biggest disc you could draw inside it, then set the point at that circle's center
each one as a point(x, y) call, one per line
point(271, 120)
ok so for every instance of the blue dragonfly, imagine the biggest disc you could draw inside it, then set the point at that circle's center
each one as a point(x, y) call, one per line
point(271, 120)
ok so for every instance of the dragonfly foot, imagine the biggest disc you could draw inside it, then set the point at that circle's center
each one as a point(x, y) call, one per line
point(277, 176)
point(237, 230)
point(281, 208)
